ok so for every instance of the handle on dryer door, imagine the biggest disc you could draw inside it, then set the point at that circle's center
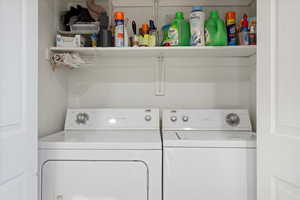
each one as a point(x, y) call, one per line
point(59, 197)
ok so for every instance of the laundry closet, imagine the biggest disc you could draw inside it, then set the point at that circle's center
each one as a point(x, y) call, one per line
point(155, 85)
point(161, 120)
point(157, 77)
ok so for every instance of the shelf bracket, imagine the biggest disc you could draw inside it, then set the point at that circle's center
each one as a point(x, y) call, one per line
point(160, 76)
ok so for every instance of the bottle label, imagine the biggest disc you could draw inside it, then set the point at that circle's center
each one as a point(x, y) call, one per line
point(152, 40)
point(144, 40)
point(173, 36)
point(244, 38)
point(197, 28)
point(208, 40)
point(231, 31)
point(252, 38)
point(119, 34)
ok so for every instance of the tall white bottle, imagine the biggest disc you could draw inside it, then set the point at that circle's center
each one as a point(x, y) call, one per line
point(197, 20)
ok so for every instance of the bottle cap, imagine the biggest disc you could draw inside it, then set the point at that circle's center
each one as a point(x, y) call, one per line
point(152, 25)
point(179, 15)
point(214, 13)
point(245, 21)
point(119, 15)
point(197, 8)
point(145, 28)
point(166, 27)
point(230, 15)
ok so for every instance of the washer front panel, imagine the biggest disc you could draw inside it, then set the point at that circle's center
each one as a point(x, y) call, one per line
point(209, 173)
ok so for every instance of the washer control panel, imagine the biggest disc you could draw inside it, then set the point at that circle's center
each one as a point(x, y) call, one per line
point(101, 119)
point(200, 119)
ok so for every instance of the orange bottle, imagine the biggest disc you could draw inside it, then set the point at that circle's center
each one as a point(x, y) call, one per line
point(144, 37)
point(119, 29)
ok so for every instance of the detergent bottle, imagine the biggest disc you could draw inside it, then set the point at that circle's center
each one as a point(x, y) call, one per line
point(179, 33)
point(216, 34)
point(197, 20)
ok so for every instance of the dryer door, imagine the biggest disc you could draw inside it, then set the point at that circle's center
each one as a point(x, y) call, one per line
point(94, 180)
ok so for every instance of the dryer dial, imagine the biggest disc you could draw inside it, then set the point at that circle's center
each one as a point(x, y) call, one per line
point(82, 118)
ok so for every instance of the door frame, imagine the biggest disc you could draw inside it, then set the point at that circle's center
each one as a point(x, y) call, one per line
point(263, 84)
point(30, 20)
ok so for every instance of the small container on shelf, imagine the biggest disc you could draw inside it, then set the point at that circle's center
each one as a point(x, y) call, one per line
point(69, 42)
point(144, 36)
point(82, 28)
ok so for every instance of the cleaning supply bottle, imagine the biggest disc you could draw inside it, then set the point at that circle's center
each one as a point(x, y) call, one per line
point(165, 30)
point(252, 31)
point(135, 38)
point(119, 29)
point(244, 32)
point(197, 20)
point(179, 33)
point(144, 36)
point(105, 35)
point(126, 37)
point(153, 35)
point(94, 39)
point(216, 34)
point(231, 28)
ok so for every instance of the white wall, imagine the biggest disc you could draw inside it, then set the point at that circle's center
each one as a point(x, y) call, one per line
point(198, 84)
point(53, 93)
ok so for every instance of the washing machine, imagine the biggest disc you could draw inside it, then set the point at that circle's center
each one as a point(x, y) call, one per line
point(103, 154)
point(208, 154)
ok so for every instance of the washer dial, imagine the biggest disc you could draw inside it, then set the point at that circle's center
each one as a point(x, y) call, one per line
point(233, 119)
point(148, 118)
point(185, 118)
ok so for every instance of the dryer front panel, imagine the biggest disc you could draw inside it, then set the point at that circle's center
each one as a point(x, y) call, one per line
point(95, 180)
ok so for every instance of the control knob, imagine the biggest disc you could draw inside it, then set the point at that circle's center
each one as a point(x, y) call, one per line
point(233, 119)
point(173, 118)
point(82, 118)
point(148, 118)
point(185, 118)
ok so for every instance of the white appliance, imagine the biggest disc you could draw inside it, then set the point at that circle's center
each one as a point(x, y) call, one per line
point(209, 154)
point(103, 154)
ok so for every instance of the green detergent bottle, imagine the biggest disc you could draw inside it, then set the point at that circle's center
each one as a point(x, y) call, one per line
point(179, 33)
point(215, 29)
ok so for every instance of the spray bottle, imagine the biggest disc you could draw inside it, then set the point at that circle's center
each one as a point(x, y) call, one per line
point(244, 33)
point(119, 29)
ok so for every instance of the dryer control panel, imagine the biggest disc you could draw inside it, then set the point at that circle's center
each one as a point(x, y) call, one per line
point(110, 119)
point(200, 119)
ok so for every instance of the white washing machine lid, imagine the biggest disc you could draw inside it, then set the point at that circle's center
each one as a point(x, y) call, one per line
point(110, 139)
point(217, 139)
